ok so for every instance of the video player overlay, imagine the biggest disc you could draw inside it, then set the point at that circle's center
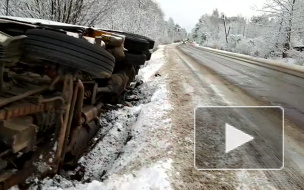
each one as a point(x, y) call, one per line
point(248, 138)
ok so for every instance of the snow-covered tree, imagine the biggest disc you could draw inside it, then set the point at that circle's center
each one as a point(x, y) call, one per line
point(83, 12)
point(243, 36)
point(143, 17)
point(289, 16)
point(136, 16)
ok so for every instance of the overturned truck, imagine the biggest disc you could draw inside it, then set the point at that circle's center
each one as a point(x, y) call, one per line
point(55, 79)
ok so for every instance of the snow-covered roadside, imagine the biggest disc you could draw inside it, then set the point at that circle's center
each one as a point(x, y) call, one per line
point(134, 153)
point(293, 63)
point(156, 62)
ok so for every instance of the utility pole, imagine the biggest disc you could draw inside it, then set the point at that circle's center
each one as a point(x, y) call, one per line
point(244, 31)
point(224, 18)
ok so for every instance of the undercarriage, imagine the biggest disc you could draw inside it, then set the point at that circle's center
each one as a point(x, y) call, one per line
point(54, 83)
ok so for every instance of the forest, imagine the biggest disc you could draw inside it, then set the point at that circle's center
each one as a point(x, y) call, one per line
point(136, 16)
point(277, 32)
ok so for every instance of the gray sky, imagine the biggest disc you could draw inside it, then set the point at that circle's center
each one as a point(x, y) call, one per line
point(187, 12)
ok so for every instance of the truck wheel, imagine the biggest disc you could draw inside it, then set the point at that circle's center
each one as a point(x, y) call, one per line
point(135, 59)
point(136, 45)
point(130, 35)
point(136, 36)
point(69, 51)
point(151, 42)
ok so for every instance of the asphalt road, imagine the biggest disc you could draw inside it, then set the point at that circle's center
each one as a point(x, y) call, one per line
point(212, 80)
point(273, 87)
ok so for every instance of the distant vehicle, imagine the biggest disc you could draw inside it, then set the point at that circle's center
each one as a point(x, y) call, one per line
point(184, 41)
point(299, 48)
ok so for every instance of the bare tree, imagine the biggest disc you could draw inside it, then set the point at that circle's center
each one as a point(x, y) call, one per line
point(4, 7)
point(7, 7)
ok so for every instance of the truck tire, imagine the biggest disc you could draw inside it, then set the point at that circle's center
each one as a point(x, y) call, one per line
point(62, 49)
point(150, 41)
point(136, 45)
point(135, 36)
point(135, 59)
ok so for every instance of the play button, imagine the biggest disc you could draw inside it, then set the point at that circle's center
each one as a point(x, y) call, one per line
point(235, 138)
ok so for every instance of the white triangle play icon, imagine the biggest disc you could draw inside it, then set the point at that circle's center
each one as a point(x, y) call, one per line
point(235, 138)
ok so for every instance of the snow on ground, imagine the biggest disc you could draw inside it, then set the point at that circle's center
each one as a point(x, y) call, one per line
point(287, 60)
point(133, 154)
point(153, 177)
point(288, 64)
point(154, 65)
point(295, 63)
point(101, 158)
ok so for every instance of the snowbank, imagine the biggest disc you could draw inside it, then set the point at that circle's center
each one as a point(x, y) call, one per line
point(152, 66)
point(276, 65)
point(153, 177)
point(257, 47)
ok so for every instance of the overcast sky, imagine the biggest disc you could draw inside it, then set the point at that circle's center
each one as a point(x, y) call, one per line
point(187, 12)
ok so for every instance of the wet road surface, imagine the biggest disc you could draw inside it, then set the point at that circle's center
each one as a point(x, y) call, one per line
point(274, 87)
point(217, 81)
